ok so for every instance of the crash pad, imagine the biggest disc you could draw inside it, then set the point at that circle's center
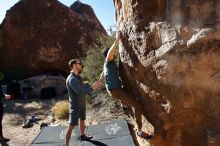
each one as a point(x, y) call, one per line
point(114, 133)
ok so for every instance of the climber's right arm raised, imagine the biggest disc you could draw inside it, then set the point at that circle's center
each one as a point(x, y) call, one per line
point(111, 52)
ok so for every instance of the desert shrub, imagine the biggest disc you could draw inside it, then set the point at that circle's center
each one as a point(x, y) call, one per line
point(112, 30)
point(94, 60)
point(61, 110)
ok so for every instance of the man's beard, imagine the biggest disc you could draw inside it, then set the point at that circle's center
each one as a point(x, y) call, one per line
point(80, 71)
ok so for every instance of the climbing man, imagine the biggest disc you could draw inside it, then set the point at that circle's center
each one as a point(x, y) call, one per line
point(76, 93)
point(114, 87)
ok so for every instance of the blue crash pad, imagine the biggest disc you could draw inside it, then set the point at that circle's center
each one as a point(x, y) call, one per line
point(115, 133)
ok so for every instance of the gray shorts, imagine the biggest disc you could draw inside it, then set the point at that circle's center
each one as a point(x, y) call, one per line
point(78, 112)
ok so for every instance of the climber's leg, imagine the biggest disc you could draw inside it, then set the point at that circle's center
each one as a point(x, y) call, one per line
point(131, 101)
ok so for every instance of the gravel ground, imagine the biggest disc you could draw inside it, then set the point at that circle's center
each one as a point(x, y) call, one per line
point(17, 111)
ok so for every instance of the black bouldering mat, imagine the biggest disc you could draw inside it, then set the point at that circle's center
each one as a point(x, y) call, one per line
point(54, 136)
point(113, 133)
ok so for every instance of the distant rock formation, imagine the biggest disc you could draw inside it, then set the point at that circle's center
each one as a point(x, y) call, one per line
point(37, 83)
point(42, 36)
point(170, 56)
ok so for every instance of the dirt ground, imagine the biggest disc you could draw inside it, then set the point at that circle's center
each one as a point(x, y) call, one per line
point(19, 110)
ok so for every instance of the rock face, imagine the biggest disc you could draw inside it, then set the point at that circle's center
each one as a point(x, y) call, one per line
point(37, 83)
point(42, 36)
point(170, 58)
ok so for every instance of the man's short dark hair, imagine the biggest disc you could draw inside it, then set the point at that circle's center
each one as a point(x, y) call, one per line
point(105, 52)
point(73, 61)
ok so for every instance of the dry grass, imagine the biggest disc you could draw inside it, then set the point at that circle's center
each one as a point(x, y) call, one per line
point(61, 110)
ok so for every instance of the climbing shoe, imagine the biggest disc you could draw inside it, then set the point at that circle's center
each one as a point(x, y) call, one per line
point(85, 137)
point(144, 135)
point(4, 140)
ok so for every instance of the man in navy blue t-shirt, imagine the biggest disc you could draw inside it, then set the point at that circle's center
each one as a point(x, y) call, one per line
point(77, 91)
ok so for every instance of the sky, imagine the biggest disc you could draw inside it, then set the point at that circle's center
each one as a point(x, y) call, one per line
point(104, 9)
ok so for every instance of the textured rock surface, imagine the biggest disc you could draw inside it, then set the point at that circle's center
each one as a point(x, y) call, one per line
point(37, 83)
point(170, 58)
point(41, 36)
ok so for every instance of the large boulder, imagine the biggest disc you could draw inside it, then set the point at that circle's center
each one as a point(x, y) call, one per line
point(42, 36)
point(37, 83)
point(170, 56)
